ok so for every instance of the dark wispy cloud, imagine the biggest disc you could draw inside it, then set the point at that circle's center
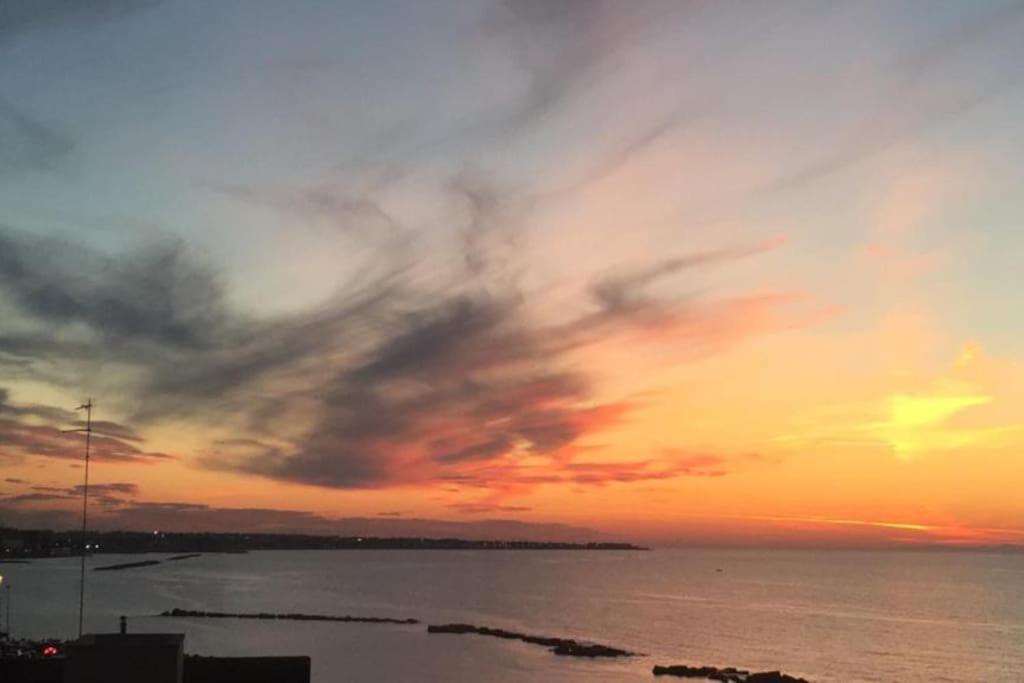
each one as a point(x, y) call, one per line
point(34, 498)
point(44, 431)
point(158, 297)
point(29, 440)
point(627, 293)
point(485, 508)
point(564, 48)
point(500, 478)
point(119, 487)
point(349, 210)
point(558, 43)
point(108, 495)
point(397, 379)
point(923, 92)
point(48, 413)
point(20, 16)
point(462, 380)
point(558, 54)
point(27, 143)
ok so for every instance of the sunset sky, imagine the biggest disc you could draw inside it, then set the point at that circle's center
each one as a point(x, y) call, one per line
point(673, 271)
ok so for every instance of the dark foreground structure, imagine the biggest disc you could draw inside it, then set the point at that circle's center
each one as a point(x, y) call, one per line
point(149, 658)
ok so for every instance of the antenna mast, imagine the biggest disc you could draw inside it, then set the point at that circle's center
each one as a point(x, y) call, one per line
point(87, 407)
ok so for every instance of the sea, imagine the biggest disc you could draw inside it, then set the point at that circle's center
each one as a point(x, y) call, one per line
point(839, 615)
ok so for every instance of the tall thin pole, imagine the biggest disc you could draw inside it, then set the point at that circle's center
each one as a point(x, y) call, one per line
point(87, 407)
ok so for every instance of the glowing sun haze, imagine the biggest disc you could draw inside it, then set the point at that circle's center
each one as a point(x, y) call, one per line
point(668, 271)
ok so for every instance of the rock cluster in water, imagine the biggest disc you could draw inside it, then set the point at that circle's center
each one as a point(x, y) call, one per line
point(126, 565)
point(726, 675)
point(145, 563)
point(292, 615)
point(565, 647)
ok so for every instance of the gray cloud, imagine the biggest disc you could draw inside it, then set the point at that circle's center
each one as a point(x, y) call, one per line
point(22, 435)
point(396, 379)
point(626, 293)
point(48, 413)
point(33, 498)
point(19, 16)
point(485, 508)
point(110, 495)
point(462, 380)
point(357, 211)
point(157, 296)
point(21, 439)
point(921, 96)
point(125, 488)
point(27, 143)
point(558, 43)
point(107, 495)
point(564, 48)
point(513, 477)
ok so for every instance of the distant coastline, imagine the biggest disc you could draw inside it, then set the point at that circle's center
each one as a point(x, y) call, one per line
point(23, 544)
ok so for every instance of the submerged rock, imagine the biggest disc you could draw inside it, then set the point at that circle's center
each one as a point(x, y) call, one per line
point(565, 647)
point(725, 675)
point(773, 677)
point(126, 565)
point(573, 649)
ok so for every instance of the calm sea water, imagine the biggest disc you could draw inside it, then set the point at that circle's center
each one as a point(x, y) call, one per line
point(828, 616)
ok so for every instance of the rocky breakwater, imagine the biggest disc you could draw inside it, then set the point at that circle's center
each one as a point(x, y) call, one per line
point(126, 565)
point(726, 675)
point(565, 647)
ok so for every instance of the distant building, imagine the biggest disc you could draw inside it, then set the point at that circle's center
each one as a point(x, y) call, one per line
point(12, 544)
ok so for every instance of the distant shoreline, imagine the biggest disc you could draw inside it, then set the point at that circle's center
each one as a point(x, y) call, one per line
point(45, 544)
